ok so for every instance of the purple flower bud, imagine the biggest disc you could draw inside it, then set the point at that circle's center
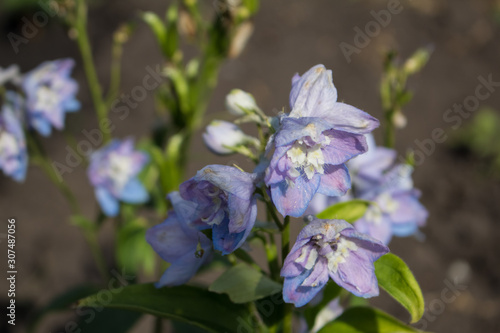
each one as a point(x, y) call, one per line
point(50, 93)
point(330, 249)
point(13, 154)
point(314, 142)
point(220, 136)
point(224, 202)
point(179, 243)
point(113, 172)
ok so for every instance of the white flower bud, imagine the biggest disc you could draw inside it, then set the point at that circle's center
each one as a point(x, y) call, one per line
point(220, 136)
point(240, 103)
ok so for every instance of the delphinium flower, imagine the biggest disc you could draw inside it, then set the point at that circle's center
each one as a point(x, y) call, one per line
point(330, 249)
point(395, 209)
point(50, 93)
point(113, 172)
point(225, 202)
point(178, 242)
point(313, 143)
point(223, 137)
point(13, 154)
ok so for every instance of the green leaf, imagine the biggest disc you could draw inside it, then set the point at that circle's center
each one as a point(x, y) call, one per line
point(244, 284)
point(172, 37)
point(63, 302)
point(196, 306)
point(366, 320)
point(159, 29)
point(132, 250)
point(108, 320)
point(395, 277)
point(331, 291)
point(349, 211)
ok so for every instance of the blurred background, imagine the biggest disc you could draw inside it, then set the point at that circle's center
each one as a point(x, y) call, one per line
point(458, 176)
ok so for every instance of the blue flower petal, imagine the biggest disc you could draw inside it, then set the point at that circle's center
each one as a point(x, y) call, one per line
point(109, 204)
point(134, 192)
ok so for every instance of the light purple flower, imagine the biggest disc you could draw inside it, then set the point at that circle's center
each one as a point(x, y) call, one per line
point(330, 249)
point(178, 242)
point(50, 93)
point(113, 172)
point(13, 154)
point(313, 143)
point(220, 136)
point(225, 203)
point(395, 209)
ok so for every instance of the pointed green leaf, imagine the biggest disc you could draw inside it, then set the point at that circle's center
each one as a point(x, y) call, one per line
point(349, 211)
point(366, 320)
point(107, 320)
point(395, 277)
point(244, 284)
point(193, 305)
point(159, 29)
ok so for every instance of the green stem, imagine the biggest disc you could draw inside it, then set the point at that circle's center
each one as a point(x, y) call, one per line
point(95, 249)
point(390, 130)
point(41, 159)
point(285, 239)
point(90, 69)
point(288, 318)
point(272, 258)
point(270, 208)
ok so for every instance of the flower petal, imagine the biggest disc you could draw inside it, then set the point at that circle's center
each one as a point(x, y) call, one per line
point(293, 198)
point(134, 192)
point(109, 204)
point(347, 118)
point(294, 293)
point(335, 181)
point(343, 147)
point(313, 90)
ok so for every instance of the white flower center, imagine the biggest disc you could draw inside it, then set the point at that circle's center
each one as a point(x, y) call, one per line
point(307, 158)
point(340, 255)
point(374, 214)
point(47, 99)
point(120, 169)
point(8, 145)
point(385, 205)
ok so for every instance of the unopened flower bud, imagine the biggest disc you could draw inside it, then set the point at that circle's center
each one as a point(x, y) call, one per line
point(399, 120)
point(220, 136)
point(240, 103)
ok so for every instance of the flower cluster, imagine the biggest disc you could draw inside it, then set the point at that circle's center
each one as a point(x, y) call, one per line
point(36, 100)
point(302, 159)
point(395, 209)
